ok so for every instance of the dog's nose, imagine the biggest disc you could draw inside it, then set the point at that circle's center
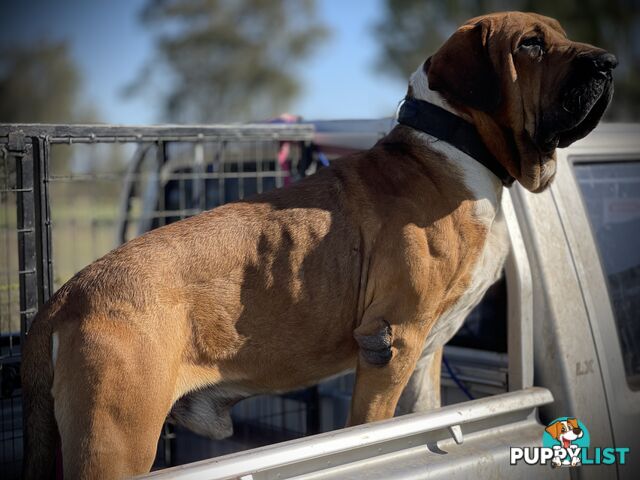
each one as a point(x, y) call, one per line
point(577, 430)
point(605, 62)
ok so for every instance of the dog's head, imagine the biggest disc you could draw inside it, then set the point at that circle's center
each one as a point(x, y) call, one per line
point(527, 88)
point(565, 431)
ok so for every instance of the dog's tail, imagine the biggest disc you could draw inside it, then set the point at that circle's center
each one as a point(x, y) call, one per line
point(40, 430)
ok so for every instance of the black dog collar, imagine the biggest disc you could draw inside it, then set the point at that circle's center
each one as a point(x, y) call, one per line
point(446, 126)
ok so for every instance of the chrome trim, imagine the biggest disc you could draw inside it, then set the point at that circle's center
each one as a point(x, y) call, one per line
point(519, 298)
point(356, 438)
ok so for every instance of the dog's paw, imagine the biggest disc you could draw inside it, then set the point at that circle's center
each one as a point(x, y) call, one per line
point(375, 347)
point(575, 461)
point(555, 462)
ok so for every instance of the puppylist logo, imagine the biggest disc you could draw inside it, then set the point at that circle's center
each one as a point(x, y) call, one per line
point(565, 443)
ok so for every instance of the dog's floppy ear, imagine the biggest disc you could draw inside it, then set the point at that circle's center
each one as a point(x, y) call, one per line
point(573, 422)
point(554, 429)
point(461, 69)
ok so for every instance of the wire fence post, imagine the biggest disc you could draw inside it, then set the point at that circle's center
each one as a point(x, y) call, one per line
point(22, 152)
point(33, 226)
point(41, 153)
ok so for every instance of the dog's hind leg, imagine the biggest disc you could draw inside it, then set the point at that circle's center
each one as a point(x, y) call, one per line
point(112, 390)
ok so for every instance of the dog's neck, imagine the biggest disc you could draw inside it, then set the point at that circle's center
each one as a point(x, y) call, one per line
point(419, 88)
point(425, 110)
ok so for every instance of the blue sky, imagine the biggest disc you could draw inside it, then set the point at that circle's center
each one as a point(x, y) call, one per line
point(109, 45)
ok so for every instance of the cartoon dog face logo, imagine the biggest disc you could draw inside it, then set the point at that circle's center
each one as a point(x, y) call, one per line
point(565, 432)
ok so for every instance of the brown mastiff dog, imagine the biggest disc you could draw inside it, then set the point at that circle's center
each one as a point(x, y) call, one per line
point(364, 265)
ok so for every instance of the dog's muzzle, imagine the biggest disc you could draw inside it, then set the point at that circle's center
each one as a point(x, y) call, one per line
point(581, 103)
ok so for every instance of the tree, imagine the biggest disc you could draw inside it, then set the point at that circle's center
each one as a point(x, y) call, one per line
point(228, 59)
point(411, 30)
point(39, 84)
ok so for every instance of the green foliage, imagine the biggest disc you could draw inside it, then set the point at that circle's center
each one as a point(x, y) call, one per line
point(228, 60)
point(40, 83)
point(411, 30)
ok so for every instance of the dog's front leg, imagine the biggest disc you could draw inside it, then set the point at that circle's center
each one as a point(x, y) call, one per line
point(387, 357)
point(422, 392)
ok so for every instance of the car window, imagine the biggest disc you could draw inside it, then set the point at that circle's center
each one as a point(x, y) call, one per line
point(485, 328)
point(611, 192)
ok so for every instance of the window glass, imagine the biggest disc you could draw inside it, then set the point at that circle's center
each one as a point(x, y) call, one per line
point(611, 193)
point(485, 327)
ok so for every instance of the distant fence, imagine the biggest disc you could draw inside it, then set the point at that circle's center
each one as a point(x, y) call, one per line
point(69, 194)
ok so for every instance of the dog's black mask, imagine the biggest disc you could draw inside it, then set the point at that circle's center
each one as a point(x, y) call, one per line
point(582, 101)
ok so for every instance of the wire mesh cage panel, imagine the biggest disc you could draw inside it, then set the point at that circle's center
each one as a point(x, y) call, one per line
point(10, 406)
point(127, 189)
point(70, 194)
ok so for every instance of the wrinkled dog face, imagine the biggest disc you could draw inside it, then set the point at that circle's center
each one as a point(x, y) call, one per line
point(584, 94)
point(527, 87)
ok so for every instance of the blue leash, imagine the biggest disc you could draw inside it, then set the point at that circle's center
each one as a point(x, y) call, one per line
point(456, 380)
point(322, 158)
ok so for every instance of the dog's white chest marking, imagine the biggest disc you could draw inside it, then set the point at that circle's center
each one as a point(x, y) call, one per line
point(487, 189)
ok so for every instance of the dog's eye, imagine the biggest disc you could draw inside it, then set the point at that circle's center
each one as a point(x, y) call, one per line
point(532, 41)
point(534, 45)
